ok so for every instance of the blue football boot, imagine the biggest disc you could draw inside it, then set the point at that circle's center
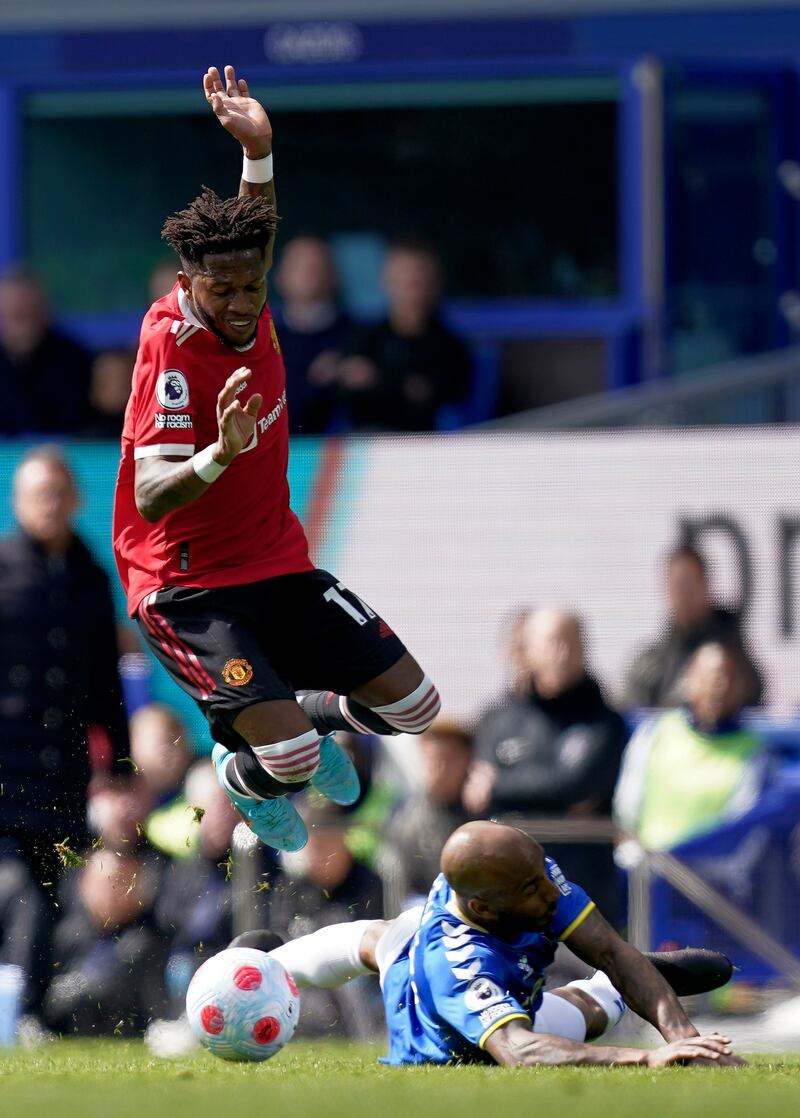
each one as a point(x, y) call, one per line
point(276, 822)
point(336, 776)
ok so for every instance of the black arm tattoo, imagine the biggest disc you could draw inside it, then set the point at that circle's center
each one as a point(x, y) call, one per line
point(164, 484)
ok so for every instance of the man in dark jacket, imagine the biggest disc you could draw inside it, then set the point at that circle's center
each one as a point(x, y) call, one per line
point(44, 374)
point(111, 956)
point(59, 687)
point(553, 750)
point(313, 330)
point(24, 925)
point(400, 371)
point(654, 678)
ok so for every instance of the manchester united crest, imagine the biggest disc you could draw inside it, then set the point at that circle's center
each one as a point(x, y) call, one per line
point(237, 673)
point(276, 345)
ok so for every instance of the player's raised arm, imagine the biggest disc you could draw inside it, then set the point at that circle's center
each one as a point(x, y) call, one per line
point(246, 120)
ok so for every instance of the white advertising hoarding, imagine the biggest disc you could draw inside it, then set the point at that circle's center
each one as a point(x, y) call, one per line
point(446, 535)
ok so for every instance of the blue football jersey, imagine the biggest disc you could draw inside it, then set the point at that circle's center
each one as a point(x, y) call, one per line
point(454, 983)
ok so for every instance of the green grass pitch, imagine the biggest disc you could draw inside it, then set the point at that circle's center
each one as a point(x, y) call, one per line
point(119, 1079)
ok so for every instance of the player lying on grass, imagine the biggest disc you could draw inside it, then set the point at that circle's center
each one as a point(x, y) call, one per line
point(462, 977)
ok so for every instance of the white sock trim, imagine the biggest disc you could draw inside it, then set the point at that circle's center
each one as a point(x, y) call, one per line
point(293, 760)
point(415, 712)
point(326, 958)
point(608, 997)
point(558, 1017)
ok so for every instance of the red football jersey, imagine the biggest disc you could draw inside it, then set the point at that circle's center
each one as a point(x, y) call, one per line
point(241, 529)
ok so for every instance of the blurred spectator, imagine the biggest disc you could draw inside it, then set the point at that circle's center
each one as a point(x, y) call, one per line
point(109, 390)
point(654, 677)
point(417, 832)
point(24, 927)
point(59, 686)
point(312, 328)
point(689, 770)
point(111, 958)
point(161, 756)
point(44, 375)
point(194, 905)
point(116, 813)
point(401, 371)
point(321, 885)
point(554, 750)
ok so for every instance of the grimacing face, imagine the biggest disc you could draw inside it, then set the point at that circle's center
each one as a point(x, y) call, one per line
point(526, 902)
point(228, 293)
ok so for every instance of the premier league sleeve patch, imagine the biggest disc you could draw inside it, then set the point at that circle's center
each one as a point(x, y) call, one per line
point(172, 391)
point(482, 992)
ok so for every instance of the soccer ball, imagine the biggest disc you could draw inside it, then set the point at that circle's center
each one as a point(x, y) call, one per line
point(242, 1005)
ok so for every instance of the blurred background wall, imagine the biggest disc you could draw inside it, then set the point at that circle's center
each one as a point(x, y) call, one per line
point(616, 187)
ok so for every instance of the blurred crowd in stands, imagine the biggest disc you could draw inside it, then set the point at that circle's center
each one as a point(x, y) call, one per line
point(119, 869)
point(396, 374)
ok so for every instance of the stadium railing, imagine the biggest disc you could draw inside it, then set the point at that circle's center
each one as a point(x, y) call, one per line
point(764, 955)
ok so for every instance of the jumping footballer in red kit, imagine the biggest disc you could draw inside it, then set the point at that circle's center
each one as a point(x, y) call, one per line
point(214, 562)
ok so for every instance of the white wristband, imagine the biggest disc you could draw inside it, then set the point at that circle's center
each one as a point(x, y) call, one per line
point(257, 170)
point(204, 465)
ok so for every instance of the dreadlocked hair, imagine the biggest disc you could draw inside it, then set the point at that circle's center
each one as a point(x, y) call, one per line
point(214, 224)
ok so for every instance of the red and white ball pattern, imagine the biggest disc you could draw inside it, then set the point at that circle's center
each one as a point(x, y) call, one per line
point(242, 1005)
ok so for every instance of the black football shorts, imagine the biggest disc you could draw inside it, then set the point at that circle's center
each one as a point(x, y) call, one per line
point(232, 646)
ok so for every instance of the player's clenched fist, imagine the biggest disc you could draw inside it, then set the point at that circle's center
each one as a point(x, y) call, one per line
point(236, 421)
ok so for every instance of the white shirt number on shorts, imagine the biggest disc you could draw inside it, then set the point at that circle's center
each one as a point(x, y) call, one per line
point(334, 595)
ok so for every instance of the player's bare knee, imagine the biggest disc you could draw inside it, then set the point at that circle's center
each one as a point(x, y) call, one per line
point(593, 1013)
point(271, 721)
point(393, 684)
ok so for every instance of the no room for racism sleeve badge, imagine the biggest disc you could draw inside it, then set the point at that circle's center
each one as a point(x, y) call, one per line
point(237, 673)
